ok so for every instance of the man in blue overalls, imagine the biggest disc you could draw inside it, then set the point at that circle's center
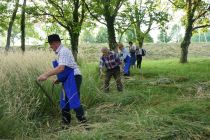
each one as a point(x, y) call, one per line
point(69, 75)
point(126, 58)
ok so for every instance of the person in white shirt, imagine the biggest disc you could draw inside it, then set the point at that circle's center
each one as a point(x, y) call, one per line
point(65, 59)
point(125, 57)
point(132, 49)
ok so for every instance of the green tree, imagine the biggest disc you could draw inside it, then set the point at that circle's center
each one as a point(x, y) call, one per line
point(30, 31)
point(4, 20)
point(130, 35)
point(196, 17)
point(148, 39)
point(145, 13)
point(50, 28)
point(105, 12)
point(176, 33)
point(12, 19)
point(163, 36)
point(70, 14)
point(102, 36)
point(87, 36)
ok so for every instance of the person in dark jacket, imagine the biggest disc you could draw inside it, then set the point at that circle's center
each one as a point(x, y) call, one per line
point(139, 54)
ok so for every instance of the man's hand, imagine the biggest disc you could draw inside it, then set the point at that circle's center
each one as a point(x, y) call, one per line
point(52, 72)
point(42, 77)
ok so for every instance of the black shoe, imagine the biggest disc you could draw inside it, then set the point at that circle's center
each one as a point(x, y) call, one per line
point(65, 121)
point(82, 120)
point(126, 75)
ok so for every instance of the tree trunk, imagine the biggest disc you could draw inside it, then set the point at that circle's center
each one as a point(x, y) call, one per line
point(74, 41)
point(141, 41)
point(185, 43)
point(11, 24)
point(140, 35)
point(111, 34)
point(75, 28)
point(188, 33)
point(23, 27)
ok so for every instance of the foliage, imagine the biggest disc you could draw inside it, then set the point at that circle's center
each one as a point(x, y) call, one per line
point(148, 39)
point(88, 36)
point(163, 36)
point(176, 33)
point(6, 8)
point(199, 12)
point(30, 30)
point(145, 14)
point(106, 13)
point(102, 36)
point(130, 35)
point(69, 14)
point(196, 16)
point(3, 16)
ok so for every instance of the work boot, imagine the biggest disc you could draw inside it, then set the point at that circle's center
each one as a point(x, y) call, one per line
point(82, 119)
point(80, 115)
point(66, 117)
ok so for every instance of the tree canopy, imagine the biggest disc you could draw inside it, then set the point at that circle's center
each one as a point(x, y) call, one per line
point(124, 20)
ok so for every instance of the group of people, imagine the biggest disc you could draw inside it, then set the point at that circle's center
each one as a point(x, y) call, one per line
point(136, 54)
point(116, 62)
point(68, 73)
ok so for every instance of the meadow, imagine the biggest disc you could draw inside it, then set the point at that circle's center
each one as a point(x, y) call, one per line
point(166, 101)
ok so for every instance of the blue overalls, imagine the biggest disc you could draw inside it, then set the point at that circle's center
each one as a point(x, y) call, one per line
point(126, 68)
point(69, 98)
point(125, 55)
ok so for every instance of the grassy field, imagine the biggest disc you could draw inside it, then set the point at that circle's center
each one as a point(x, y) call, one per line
point(168, 100)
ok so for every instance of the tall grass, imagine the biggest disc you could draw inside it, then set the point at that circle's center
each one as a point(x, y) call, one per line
point(21, 99)
point(148, 108)
point(24, 110)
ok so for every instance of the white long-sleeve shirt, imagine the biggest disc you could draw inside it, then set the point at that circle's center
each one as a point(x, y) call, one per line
point(65, 57)
point(124, 53)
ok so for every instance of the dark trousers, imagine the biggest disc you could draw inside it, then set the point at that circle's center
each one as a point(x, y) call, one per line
point(66, 116)
point(78, 80)
point(116, 74)
point(139, 60)
point(133, 58)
